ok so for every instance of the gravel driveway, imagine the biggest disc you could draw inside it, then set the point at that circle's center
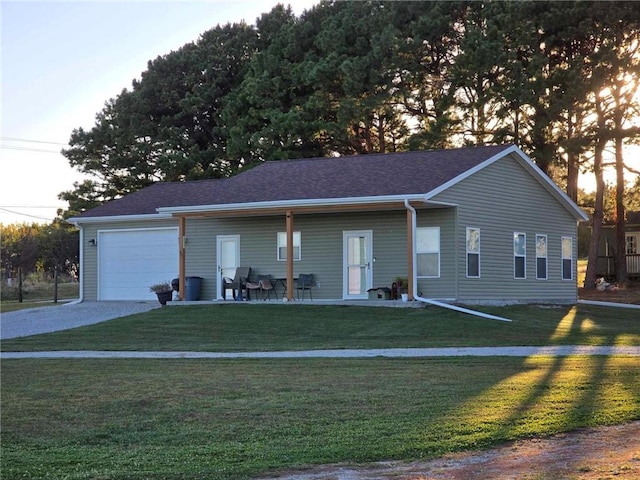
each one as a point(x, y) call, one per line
point(32, 321)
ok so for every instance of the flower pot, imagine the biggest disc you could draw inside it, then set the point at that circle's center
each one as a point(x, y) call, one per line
point(405, 297)
point(164, 297)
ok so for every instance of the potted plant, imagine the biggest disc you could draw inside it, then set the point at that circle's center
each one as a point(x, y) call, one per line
point(163, 290)
point(402, 287)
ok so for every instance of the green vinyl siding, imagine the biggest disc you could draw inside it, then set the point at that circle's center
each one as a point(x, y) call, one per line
point(322, 236)
point(443, 287)
point(501, 199)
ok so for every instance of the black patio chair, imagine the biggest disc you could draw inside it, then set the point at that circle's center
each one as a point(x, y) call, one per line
point(237, 284)
point(305, 282)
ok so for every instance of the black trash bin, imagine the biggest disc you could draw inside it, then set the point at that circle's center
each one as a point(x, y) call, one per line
point(192, 288)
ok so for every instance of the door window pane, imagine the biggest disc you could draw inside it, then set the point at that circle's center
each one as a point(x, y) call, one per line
point(356, 251)
point(357, 280)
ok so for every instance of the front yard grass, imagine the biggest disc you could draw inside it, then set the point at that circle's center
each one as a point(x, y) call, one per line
point(251, 327)
point(237, 419)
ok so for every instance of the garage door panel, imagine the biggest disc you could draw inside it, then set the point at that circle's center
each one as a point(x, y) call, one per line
point(132, 260)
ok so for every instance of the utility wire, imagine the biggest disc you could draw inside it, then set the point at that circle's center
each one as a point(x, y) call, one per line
point(24, 214)
point(29, 206)
point(27, 149)
point(14, 139)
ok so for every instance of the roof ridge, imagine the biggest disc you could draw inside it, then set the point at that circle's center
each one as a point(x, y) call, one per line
point(501, 146)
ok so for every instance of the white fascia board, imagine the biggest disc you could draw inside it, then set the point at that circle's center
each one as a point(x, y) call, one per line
point(316, 202)
point(438, 204)
point(533, 169)
point(77, 221)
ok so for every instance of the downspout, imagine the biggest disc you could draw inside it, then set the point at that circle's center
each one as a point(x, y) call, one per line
point(414, 280)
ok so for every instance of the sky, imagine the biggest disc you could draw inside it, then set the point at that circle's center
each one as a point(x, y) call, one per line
point(62, 60)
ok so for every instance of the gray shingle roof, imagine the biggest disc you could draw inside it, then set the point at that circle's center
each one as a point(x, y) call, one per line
point(313, 178)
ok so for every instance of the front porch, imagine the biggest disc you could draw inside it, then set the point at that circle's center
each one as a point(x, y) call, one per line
point(607, 266)
point(346, 252)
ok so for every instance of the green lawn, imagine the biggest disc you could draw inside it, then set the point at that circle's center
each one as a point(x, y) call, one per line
point(192, 419)
point(251, 327)
point(237, 419)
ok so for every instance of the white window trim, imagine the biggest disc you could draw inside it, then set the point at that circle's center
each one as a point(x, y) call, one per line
point(279, 246)
point(519, 256)
point(466, 241)
point(546, 256)
point(430, 251)
point(563, 258)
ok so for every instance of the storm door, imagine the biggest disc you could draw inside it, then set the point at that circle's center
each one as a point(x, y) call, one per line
point(228, 259)
point(358, 270)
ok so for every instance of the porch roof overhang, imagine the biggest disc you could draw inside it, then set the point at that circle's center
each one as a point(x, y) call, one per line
point(306, 206)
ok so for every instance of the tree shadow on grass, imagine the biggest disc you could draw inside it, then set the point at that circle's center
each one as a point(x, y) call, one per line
point(548, 395)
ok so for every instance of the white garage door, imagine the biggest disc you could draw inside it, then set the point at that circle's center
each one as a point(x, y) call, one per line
point(129, 261)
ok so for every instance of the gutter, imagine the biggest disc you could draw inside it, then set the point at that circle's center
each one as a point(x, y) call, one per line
point(414, 281)
point(117, 218)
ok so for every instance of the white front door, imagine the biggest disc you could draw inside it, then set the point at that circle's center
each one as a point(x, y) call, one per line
point(358, 270)
point(228, 258)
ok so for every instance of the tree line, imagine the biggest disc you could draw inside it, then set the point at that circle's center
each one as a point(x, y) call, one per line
point(40, 249)
point(559, 79)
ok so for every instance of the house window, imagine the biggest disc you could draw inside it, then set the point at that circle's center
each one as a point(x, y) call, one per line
point(567, 258)
point(541, 257)
point(428, 251)
point(519, 255)
point(473, 252)
point(282, 245)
